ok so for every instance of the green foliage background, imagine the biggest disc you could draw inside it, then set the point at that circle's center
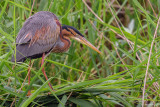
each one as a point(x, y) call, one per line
point(123, 30)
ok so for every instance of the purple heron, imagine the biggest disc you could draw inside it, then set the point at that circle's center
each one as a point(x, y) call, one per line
point(41, 34)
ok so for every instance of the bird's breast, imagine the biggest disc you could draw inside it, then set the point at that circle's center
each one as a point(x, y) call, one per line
point(58, 46)
point(61, 45)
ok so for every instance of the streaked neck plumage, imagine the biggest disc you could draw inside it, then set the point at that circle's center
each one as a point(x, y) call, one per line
point(63, 43)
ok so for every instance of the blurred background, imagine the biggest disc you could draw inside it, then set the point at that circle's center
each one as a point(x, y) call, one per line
point(126, 74)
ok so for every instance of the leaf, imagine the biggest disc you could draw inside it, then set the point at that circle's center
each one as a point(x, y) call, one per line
point(63, 101)
point(34, 95)
point(82, 103)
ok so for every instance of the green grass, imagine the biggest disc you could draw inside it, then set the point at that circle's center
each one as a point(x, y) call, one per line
point(82, 77)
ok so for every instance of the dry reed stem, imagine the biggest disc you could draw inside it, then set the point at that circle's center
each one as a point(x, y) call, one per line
point(120, 27)
point(32, 62)
point(145, 79)
point(92, 11)
point(152, 8)
point(32, 8)
point(23, 82)
point(50, 5)
point(155, 84)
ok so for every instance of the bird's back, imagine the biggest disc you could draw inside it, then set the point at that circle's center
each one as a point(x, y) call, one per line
point(37, 36)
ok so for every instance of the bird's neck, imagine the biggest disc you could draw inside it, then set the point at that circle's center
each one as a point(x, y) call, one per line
point(66, 41)
point(62, 44)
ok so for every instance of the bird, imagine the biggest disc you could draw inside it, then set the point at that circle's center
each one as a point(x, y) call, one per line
point(41, 34)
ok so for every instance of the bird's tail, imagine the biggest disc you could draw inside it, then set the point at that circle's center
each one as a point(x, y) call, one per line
point(20, 57)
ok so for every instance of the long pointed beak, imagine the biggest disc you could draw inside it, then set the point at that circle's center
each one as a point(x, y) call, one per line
point(86, 42)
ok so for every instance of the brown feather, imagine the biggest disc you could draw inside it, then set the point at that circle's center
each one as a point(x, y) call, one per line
point(38, 35)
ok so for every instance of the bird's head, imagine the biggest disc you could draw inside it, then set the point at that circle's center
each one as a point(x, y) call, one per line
point(71, 32)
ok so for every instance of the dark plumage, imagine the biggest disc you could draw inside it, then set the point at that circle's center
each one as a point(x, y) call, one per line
point(67, 28)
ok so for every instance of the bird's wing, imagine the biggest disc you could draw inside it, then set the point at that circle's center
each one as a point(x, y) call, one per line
point(37, 36)
point(36, 23)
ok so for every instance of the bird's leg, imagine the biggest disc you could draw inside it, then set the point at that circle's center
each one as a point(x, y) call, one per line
point(43, 56)
point(29, 74)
